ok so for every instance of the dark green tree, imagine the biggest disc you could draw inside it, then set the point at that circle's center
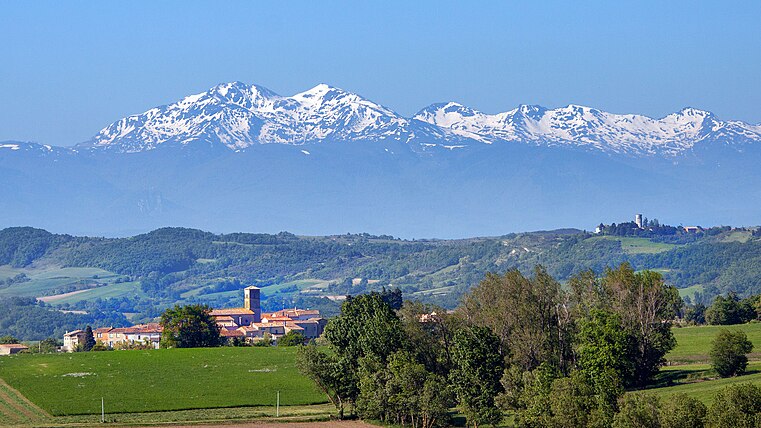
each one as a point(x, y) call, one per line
point(476, 373)
point(89, 342)
point(695, 314)
point(8, 340)
point(728, 353)
point(402, 392)
point(326, 372)
point(683, 411)
point(736, 406)
point(725, 310)
point(604, 346)
point(367, 327)
point(190, 326)
point(292, 338)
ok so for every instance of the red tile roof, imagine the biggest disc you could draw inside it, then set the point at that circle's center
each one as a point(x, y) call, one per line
point(231, 311)
point(14, 346)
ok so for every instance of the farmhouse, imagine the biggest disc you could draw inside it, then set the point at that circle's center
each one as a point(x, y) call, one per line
point(252, 324)
point(72, 339)
point(11, 349)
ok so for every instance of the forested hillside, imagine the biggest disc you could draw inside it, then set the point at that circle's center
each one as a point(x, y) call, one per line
point(138, 277)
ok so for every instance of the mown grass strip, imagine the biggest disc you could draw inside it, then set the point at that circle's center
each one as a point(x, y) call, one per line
point(21, 403)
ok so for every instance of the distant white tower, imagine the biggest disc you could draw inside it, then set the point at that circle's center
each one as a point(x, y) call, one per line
point(638, 220)
point(251, 302)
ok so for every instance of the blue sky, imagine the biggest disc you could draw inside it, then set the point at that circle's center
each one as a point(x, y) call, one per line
point(68, 69)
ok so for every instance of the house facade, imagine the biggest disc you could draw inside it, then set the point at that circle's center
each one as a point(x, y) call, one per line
point(72, 339)
point(139, 334)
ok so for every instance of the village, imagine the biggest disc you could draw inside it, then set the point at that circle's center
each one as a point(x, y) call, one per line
point(245, 325)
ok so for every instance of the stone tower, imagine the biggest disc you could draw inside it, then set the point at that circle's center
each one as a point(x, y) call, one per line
point(638, 220)
point(251, 302)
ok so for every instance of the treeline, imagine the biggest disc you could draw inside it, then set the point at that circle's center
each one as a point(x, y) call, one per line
point(552, 356)
point(725, 310)
point(170, 262)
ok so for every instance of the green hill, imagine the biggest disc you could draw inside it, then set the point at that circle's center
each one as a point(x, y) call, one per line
point(141, 275)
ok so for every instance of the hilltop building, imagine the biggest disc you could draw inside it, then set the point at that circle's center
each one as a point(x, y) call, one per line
point(250, 324)
point(638, 221)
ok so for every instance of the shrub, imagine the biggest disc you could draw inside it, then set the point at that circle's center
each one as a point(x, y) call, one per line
point(292, 338)
point(728, 353)
point(637, 410)
point(736, 406)
point(683, 411)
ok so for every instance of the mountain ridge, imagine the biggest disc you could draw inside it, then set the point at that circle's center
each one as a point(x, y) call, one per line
point(238, 116)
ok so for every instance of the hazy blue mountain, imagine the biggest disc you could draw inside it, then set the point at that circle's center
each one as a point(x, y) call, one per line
point(242, 158)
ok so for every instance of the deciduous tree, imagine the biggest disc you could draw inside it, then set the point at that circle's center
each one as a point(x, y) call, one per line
point(476, 373)
point(190, 326)
point(728, 353)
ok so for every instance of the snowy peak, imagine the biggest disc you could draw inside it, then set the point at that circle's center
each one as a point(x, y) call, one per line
point(593, 129)
point(236, 116)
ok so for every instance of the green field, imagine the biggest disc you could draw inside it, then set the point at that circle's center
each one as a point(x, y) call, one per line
point(44, 280)
point(161, 380)
point(699, 381)
point(689, 291)
point(694, 343)
point(636, 245)
point(122, 289)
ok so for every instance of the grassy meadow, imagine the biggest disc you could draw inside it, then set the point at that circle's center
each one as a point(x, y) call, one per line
point(636, 245)
point(700, 381)
point(160, 380)
point(694, 343)
point(689, 370)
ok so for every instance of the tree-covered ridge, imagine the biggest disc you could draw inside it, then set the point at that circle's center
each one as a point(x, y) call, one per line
point(172, 265)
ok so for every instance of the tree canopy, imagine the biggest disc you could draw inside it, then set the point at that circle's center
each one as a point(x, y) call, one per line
point(189, 326)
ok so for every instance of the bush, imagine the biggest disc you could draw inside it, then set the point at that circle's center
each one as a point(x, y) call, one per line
point(637, 410)
point(728, 353)
point(736, 406)
point(292, 338)
point(682, 411)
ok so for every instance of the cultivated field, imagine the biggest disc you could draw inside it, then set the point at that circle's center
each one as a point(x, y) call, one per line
point(161, 380)
point(44, 281)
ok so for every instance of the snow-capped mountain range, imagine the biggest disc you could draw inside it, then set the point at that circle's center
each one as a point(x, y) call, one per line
point(325, 161)
point(238, 116)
